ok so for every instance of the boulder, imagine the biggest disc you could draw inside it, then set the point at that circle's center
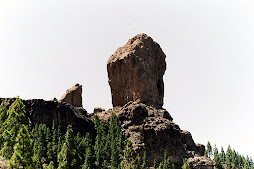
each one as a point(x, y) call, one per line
point(73, 96)
point(135, 72)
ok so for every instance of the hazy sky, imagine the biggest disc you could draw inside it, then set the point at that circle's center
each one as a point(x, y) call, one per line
point(48, 46)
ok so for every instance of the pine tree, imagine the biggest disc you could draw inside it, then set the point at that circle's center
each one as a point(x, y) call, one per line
point(67, 156)
point(16, 118)
point(144, 166)
point(101, 145)
point(53, 145)
point(222, 156)
point(208, 152)
point(40, 137)
point(116, 141)
point(216, 157)
point(89, 159)
point(3, 117)
point(22, 156)
point(166, 163)
point(130, 159)
point(229, 157)
point(186, 164)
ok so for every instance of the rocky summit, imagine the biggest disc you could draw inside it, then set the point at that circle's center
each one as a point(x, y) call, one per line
point(135, 72)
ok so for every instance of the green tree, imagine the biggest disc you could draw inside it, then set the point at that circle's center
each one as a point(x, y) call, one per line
point(67, 156)
point(216, 157)
point(22, 156)
point(89, 159)
point(186, 164)
point(54, 144)
point(144, 165)
point(3, 117)
point(116, 141)
point(40, 137)
point(130, 159)
point(166, 163)
point(208, 151)
point(101, 144)
point(16, 118)
point(228, 161)
point(222, 156)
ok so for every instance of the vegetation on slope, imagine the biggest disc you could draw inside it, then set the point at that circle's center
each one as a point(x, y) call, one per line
point(41, 147)
point(228, 159)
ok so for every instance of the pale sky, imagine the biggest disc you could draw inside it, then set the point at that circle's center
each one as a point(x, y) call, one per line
point(48, 46)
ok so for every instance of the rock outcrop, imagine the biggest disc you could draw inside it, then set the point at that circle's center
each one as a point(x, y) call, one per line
point(73, 96)
point(153, 130)
point(198, 162)
point(135, 72)
point(63, 114)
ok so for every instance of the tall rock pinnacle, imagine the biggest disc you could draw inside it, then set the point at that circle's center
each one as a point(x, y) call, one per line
point(135, 72)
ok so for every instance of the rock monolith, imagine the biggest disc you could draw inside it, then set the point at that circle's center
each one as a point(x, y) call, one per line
point(135, 72)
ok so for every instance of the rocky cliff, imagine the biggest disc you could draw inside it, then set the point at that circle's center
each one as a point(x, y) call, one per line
point(63, 114)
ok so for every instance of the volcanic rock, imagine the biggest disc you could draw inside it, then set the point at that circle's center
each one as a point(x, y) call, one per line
point(63, 114)
point(135, 72)
point(198, 162)
point(73, 96)
point(152, 130)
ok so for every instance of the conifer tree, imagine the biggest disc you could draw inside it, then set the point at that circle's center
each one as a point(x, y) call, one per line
point(67, 156)
point(222, 156)
point(208, 151)
point(144, 166)
point(166, 163)
point(216, 157)
point(229, 157)
point(22, 156)
point(89, 159)
point(53, 145)
point(16, 118)
point(186, 164)
point(40, 145)
point(130, 159)
point(101, 145)
point(116, 141)
point(3, 117)
point(3, 112)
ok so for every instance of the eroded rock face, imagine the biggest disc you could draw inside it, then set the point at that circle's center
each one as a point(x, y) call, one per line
point(73, 96)
point(63, 114)
point(135, 72)
point(152, 130)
